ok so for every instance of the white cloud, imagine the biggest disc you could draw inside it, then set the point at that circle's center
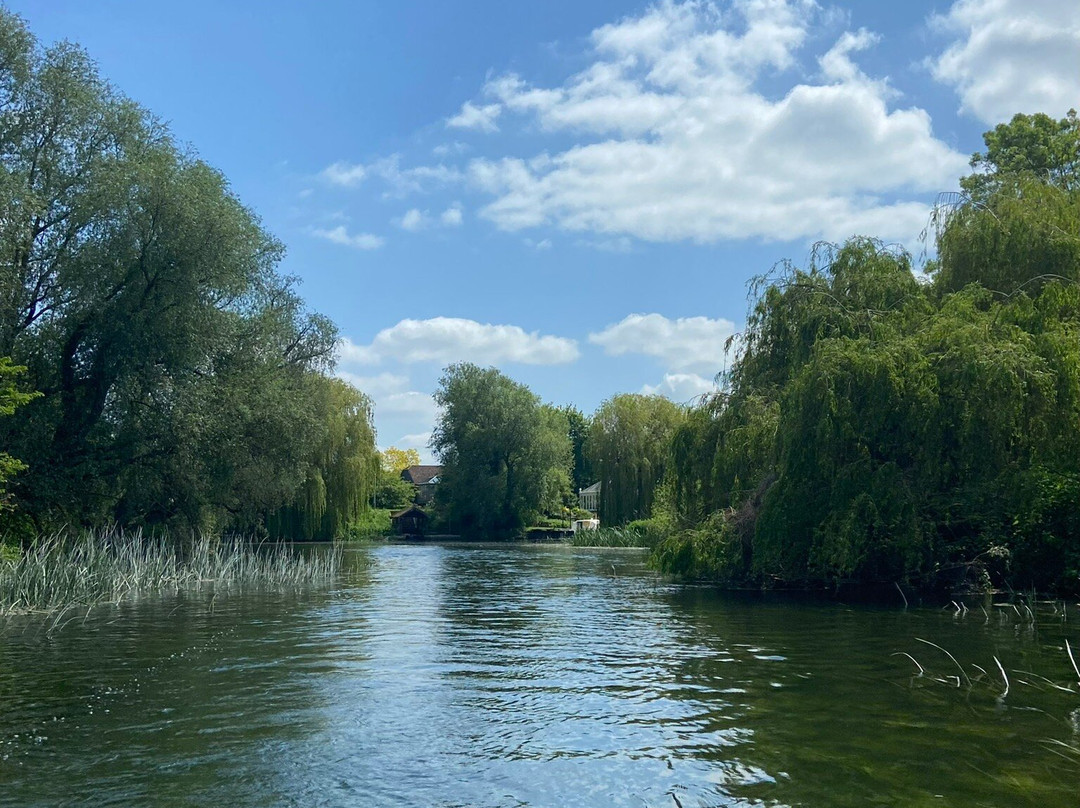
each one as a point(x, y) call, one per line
point(1012, 56)
point(414, 219)
point(418, 441)
point(447, 149)
point(471, 116)
point(407, 402)
point(678, 142)
point(391, 395)
point(452, 216)
point(401, 181)
point(359, 241)
point(347, 174)
point(375, 386)
point(452, 339)
point(396, 406)
point(688, 344)
point(681, 387)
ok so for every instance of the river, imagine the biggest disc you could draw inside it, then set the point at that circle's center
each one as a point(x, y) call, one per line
point(464, 675)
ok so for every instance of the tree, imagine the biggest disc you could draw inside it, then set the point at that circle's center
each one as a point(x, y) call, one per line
point(1035, 146)
point(628, 445)
point(391, 491)
point(505, 455)
point(175, 364)
point(1020, 226)
point(581, 472)
point(395, 461)
point(343, 471)
point(11, 397)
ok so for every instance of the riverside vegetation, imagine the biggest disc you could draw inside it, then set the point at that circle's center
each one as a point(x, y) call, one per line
point(880, 422)
point(878, 425)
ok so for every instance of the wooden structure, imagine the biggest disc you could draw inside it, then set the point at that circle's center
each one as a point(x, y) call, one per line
point(411, 521)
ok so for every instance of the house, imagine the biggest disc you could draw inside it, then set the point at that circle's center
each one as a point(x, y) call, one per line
point(589, 498)
point(409, 522)
point(425, 478)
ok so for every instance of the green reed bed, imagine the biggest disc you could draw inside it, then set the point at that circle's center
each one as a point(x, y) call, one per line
point(65, 571)
point(632, 535)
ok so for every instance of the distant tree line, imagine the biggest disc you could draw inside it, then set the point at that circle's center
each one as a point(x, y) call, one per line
point(175, 376)
point(876, 426)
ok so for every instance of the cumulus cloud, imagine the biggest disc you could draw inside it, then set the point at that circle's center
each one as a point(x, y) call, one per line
point(688, 344)
point(452, 339)
point(1010, 56)
point(375, 386)
point(345, 174)
point(677, 141)
point(452, 216)
point(399, 181)
point(416, 219)
point(340, 235)
point(480, 118)
point(396, 406)
point(413, 219)
point(681, 387)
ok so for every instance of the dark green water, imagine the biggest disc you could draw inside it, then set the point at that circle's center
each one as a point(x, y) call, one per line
point(530, 676)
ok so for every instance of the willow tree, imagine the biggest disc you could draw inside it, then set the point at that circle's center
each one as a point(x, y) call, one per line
point(342, 470)
point(505, 455)
point(1020, 224)
point(628, 445)
point(879, 429)
point(143, 298)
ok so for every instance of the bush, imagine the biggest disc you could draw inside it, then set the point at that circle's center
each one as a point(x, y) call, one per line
point(372, 524)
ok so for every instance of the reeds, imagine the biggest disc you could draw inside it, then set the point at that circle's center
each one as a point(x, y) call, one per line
point(981, 678)
point(617, 537)
point(67, 571)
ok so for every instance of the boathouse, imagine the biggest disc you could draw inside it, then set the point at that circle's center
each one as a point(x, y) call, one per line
point(411, 521)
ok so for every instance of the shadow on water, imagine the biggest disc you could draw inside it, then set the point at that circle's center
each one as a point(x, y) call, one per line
point(521, 675)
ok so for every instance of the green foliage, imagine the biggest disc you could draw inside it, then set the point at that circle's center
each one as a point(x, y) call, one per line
point(639, 533)
point(11, 397)
point(581, 472)
point(628, 445)
point(395, 461)
point(506, 456)
point(371, 524)
point(391, 491)
point(182, 381)
point(1035, 146)
point(1021, 223)
point(343, 472)
point(877, 430)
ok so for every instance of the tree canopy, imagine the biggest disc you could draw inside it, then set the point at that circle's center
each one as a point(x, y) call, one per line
point(628, 445)
point(875, 428)
point(181, 378)
point(505, 455)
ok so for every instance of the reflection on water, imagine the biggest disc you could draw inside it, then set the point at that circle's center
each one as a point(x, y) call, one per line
point(539, 676)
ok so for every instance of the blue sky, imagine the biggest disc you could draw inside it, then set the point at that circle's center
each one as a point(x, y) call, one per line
point(575, 192)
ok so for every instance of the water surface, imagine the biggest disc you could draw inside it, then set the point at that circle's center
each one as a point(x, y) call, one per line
point(532, 676)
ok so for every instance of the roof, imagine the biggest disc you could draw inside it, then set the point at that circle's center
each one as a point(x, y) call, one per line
point(412, 510)
point(592, 489)
point(421, 475)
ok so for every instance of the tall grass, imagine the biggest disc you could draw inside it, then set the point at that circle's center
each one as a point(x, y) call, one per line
point(633, 535)
point(65, 571)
